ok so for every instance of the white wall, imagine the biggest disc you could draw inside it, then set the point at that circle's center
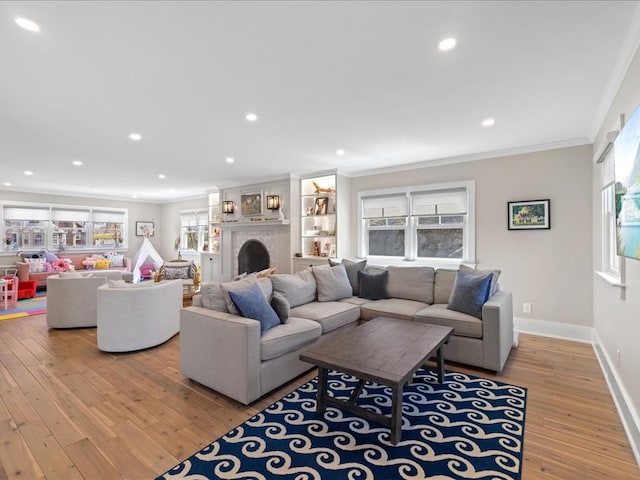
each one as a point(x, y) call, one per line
point(551, 269)
point(617, 320)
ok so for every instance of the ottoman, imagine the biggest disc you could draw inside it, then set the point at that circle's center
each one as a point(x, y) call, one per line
point(27, 289)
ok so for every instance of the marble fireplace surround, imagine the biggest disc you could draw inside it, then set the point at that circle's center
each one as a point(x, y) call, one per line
point(274, 236)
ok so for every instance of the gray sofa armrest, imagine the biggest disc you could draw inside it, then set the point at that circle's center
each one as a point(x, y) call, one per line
point(497, 328)
point(221, 351)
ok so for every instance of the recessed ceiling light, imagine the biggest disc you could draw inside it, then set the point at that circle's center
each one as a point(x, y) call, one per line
point(28, 24)
point(77, 163)
point(136, 137)
point(229, 160)
point(487, 122)
point(7, 184)
point(135, 196)
point(251, 117)
point(447, 44)
point(162, 176)
point(28, 172)
point(340, 152)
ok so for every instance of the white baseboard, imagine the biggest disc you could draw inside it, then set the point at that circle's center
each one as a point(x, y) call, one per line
point(545, 328)
point(628, 415)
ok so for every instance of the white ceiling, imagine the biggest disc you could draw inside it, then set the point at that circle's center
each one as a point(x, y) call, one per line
point(363, 76)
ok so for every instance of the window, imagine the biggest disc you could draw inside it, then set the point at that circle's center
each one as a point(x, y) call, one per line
point(429, 222)
point(30, 226)
point(386, 221)
point(194, 230)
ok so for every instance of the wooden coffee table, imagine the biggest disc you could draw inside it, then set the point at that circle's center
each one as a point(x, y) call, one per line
point(384, 350)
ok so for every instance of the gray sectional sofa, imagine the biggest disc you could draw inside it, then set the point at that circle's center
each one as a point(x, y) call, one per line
point(229, 353)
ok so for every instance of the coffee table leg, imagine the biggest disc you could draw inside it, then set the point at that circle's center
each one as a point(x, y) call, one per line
point(322, 389)
point(396, 414)
point(440, 362)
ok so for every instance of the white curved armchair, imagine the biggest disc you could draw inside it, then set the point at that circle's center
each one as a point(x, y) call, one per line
point(138, 316)
point(72, 302)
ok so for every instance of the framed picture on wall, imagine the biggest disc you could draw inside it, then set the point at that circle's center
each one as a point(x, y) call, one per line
point(251, 203)
point(144, 229)
point(529, 215)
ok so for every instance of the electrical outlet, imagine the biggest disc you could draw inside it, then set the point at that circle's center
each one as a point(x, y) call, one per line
point(526, 308)
point(618, 356)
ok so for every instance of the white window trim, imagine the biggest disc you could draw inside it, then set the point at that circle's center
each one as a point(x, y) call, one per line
point(610, 273)
point(469, 243)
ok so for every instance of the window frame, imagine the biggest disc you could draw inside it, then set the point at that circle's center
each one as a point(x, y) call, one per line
point(411, 228)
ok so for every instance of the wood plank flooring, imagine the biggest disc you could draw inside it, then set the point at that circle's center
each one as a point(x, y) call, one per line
point(68, 411)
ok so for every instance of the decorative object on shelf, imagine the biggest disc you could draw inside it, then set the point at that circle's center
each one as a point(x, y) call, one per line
point(144, 229)
point(228, 207)
point(273, 202)
point(316, 249)
point(251, 203)
point(319, 189)
point(529, 215)
point(321, 206)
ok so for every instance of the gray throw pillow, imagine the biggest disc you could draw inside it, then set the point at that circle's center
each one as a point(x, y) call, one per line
point(298, 288)
point(494, 279)
point(281, 306)
point(213, 297)
point(352, 269)
point(469, 293)
point(332, 283)
point(245, 283)
point(373, 286)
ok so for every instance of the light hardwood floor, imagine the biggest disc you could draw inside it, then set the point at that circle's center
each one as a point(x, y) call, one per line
point(69, 411)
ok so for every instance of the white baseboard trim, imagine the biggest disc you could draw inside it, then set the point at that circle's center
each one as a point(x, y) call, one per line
point(545, 328)
point(628, 415)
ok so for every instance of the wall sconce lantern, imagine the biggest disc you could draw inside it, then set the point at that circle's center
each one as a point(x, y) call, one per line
point(273, 202)
point(228, 207)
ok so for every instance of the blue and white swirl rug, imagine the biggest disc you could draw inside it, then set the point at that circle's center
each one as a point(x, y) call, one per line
point(469, 427)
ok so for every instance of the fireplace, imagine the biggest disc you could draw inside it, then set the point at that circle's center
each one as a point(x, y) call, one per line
point(253, 257)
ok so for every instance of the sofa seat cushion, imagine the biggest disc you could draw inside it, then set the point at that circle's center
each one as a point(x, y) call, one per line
point(287, 337)
point(330, 315)
point(355, 300)
point(463, 325)
point(391, 307)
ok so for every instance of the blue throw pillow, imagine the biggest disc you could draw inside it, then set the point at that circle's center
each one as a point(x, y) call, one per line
point(469, 293)
point(252, 304)
point(373, 286)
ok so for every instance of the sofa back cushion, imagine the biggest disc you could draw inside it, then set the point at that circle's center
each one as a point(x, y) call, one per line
point(213, 297)
point(411, 283)
point(298, 288)
point(443, 285)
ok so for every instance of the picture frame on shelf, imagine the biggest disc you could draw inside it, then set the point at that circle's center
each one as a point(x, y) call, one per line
point(529, 215)
point(321, 206)
point(251, 203)
point(144, 229)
